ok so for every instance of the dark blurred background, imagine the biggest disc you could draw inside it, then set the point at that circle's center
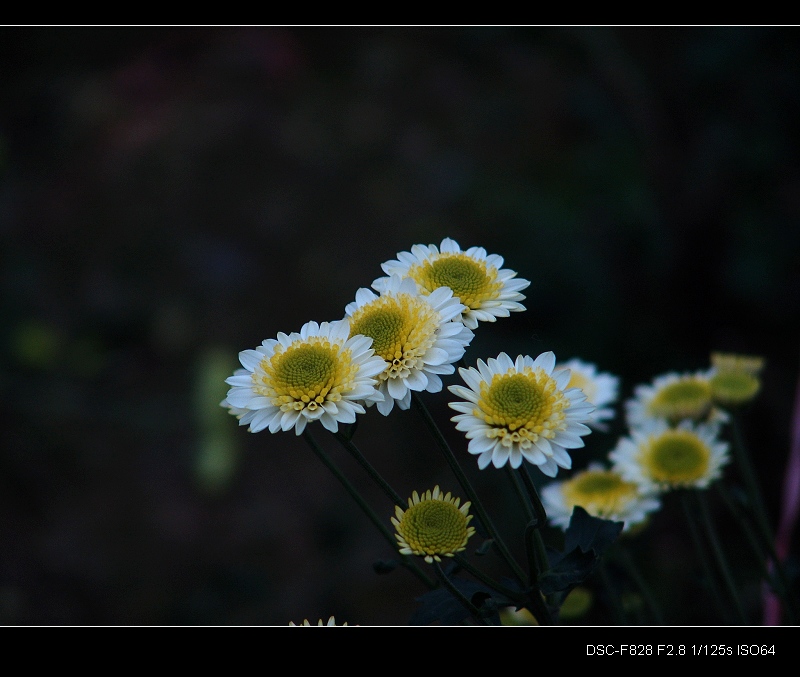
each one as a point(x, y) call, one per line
point(170, 196)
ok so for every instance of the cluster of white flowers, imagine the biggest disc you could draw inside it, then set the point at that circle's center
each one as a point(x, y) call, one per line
point(673, 441)
point(402, 336)
point(409, 329)
point(414, 324)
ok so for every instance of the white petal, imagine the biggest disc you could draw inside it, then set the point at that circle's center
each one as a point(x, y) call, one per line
point(546, 361)
point(460, 391)
point(434, 384)
point(417, 380)
point(397, 388)
point(250, 359)
point(385, 407)
point(500, 456)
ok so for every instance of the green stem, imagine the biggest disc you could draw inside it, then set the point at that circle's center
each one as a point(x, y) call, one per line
point(376, 477)
point(613, 598)
point(534, 544)
point(749, 477)
point(776, 578)
point(404, 560)
point(540, 517)
point(541, 514)
point(624, 558)
point(535, 550)
point(465, 483)
point(521, 495)
point(719, 554)
point(698, 542)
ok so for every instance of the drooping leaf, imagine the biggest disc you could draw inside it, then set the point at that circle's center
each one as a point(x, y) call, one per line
point(586, 540)
point(590, 533)
point(441, 606)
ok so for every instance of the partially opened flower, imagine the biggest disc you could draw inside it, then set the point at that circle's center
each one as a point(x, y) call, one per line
point(735, 378)
point(521, 409)
point(433, 526)
point(319, 374)
point(419, 337)
point(477, 279)
point(675, 397)
point(331, 622)
point(602, 493)
point(660, 457)
point(601, 389)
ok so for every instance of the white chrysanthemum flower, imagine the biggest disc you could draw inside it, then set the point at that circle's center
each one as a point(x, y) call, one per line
point(319, 374)
point(477, 279)
point(416, 336)
point(673, 398)
point(521, 409)
point(660, 457)
point(600, 492)
point(601, 389)
point(331, 622)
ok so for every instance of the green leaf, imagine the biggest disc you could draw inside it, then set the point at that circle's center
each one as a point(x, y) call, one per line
point(586, 539)
point(440, 606)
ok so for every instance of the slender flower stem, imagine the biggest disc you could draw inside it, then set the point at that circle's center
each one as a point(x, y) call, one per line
point(376, 477)
point(719, 554)
point(524, 499)
point(749, 478)
point(624, 558)
point(698, 542)
point(535, 550)
point(541, 514)
point(465, 483)
point(534, 545)
point(405, 561)
point(774, 575)
point(613, 596)
point(474, 611)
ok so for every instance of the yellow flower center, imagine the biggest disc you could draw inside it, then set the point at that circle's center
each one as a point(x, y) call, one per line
point(305, 374)
point(521, 407)
point(471, 280)
point(434, 527)
point(734, 387)
point(600, 492)
point(677, 458)
point(686, 398)
point(402, 328)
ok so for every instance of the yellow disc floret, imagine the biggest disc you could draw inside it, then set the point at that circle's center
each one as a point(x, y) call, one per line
point(473, 281)
point(601, 493)
point(736, 378)
point(402, 328)
point(730, 388)
point(687, 398)
point(521, 407)
point(305, 375)
point(433, 526)
point(677, 458)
